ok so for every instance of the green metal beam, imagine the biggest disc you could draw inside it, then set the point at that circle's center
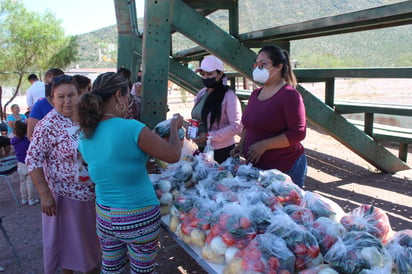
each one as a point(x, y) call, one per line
point(184, 77)
point(349, 135)
point(128, 40)
point(309, 75)
point(156, 48)
point(374, 18)
point(210, 4)
point(211, 37)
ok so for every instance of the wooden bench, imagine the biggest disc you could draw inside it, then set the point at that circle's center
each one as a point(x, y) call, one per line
point(380, 132)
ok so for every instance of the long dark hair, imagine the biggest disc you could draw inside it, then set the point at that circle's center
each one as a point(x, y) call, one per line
point(280, 56)
point(213, 103)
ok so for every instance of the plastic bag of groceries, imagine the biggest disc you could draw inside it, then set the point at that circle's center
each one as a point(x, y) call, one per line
point(319, 269)
point(327, 232)
point(322, 206)
point(286, 192)
point(370, 219)
point(298, 239)
point(257, 194)
point(201, 169)
point(267, 177)
point(163, 129)
point(232, 164)
point(248, 171)
point(219, 187)
point(299, 214)
point(231, 227)
point(195, 224)
point(359, 252)
point(261, 216)
point(275, 253)
point(400, 247)
point(265, 254)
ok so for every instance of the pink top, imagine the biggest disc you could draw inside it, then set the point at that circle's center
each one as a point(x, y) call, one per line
point(54, 147)
point(284, 112)
point(223, 133)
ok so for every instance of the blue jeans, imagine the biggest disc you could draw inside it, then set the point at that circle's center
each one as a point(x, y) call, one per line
point(298, 171)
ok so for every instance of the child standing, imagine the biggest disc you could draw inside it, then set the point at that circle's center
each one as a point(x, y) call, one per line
point(21, 143)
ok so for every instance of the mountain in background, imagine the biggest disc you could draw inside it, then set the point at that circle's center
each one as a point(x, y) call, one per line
point(388, 47)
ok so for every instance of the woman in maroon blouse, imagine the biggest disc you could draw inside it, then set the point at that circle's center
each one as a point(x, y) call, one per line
point(274, 120)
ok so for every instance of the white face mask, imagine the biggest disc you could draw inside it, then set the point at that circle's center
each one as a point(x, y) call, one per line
point(260, 75)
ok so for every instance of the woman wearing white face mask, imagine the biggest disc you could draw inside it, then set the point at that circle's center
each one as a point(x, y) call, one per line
point(218, 110)
point(274, 120)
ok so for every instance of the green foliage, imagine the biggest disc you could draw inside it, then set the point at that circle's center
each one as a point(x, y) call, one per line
point(30, 41)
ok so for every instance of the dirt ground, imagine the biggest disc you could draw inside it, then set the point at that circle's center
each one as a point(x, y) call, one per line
point(334, 171)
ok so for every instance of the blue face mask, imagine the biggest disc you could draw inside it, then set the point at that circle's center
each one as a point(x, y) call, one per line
point(209, 82)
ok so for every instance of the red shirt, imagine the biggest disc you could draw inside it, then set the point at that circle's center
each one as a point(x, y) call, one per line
point(284, 112)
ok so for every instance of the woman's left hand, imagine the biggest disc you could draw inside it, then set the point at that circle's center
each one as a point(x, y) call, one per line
point(255, 151)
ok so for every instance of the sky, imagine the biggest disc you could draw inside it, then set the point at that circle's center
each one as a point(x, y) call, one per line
point(81, 16)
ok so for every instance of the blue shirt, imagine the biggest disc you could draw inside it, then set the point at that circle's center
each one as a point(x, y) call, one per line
point(10, 117)
point(117, 165)
point(40, 109)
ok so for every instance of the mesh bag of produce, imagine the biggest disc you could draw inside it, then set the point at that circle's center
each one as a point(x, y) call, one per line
point(299, 214)
point(327, 232)
point(322, 206)
point(400, 247)
point(286, 192)
point(359, 252)
point(298, 239)
point(163, 130)
point(370, 219)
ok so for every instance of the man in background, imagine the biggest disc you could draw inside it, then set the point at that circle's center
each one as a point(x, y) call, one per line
point(35, 91)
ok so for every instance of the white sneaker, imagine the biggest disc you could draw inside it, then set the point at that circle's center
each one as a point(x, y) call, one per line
point(1, 269)
point(34, 202)
point(24, 202)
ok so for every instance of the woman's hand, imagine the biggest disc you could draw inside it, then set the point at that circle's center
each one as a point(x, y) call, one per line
point(255, 151)
point(236, 151)
point(48, 204)
point(201, 140)
point(177, 121)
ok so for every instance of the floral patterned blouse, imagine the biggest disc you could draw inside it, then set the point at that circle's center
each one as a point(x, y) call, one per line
point(54, 147)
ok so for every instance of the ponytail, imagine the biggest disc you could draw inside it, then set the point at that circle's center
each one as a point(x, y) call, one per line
point(288, 74)
point(279, 56)
point(91, 106)
point(90, 109)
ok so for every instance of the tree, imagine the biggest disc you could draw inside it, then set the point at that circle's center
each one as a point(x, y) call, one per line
point(31, 42)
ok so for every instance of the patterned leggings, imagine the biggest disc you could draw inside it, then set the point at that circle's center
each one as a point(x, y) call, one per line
point(123, 231)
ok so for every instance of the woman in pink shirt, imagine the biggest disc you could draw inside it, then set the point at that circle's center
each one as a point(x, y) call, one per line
point(218, 110)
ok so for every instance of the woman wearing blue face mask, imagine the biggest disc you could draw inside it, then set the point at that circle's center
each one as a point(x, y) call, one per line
point(218, 110)
point(274, 119)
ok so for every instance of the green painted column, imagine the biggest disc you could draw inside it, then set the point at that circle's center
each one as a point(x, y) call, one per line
point(155, 68)
point(128, 41)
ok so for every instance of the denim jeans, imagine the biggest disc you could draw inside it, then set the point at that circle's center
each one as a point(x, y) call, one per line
point(298, 171)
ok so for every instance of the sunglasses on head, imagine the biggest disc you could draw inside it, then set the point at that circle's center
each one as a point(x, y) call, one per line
point(62, 79)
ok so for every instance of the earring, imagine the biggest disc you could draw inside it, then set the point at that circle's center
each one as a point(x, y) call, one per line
point(123, 107)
